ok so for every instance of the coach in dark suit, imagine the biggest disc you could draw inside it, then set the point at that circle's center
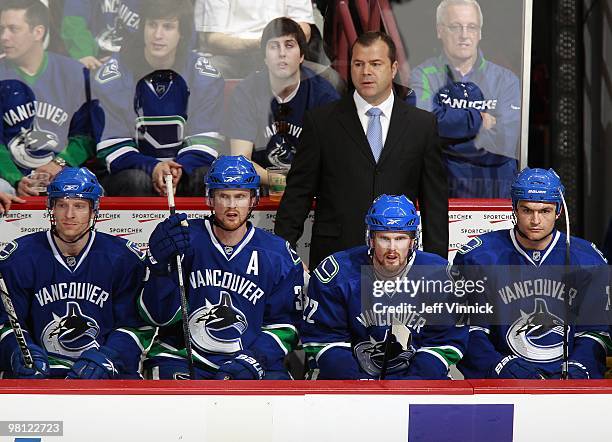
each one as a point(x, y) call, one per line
point(359, 147)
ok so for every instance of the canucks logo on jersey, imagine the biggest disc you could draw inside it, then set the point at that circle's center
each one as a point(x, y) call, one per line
point(218, 327)
point(370, 354)
point(71, 334)
point(537, 336)
point(33, 147)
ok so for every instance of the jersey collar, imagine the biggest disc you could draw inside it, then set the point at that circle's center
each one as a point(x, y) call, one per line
point(80, 258)
point(545, 252)
point(237, 248)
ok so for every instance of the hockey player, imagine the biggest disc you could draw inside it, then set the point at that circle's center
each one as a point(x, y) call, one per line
point(42, 100)
point(524, 336)
point(243, 286)
point(476, 102)
point(75, 289)
point(265, 115)
point(348, 339)
point(93, 30)
point(172, 98)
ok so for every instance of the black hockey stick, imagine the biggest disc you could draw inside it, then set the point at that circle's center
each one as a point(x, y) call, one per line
point(17, 330)
point(565, 363)
point(385, 361)
point(183, 295)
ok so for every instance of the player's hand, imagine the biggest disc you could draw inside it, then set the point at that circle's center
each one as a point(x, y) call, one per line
point(6, 200)
point(488, 120)
point(40, 369)
point(242, 367)
point(103, 363)
point(576, 370)
point(170, 238)
point(91, 62)
point(513, 367)
point(162, 169)
point(24, 187)
point(51, 168)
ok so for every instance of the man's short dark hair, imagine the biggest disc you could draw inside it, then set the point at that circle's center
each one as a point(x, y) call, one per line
point(36, 13)
point(281, 27)
point(167, 9)
point(369, 38)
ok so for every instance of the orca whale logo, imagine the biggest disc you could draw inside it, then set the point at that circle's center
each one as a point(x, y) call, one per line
point(537, 336)
point(71, 334)
point(370, 354)
point(33, 147)
point(218, 327)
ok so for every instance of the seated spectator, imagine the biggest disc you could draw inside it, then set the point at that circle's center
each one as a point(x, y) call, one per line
point(92, 30)
point(477, 104)
point(42, 100)
point(172, 98)
point(6, 200)
point(266, 111)
point(231, 30)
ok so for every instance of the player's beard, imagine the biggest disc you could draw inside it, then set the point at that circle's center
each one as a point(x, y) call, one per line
point(218, 221)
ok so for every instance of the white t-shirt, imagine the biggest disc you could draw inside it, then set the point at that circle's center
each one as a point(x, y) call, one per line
point(247, 18)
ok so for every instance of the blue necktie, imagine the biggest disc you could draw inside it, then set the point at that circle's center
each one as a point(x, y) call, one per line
point(374, 132)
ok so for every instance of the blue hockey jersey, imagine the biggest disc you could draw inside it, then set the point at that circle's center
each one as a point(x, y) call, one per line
point(182, 122)
point(100, 24)
point(481, 162)
point(240, 298)
point(346, 339)
point(255, 115)
point(40, 113)
point(67, 309)
point(528, 291)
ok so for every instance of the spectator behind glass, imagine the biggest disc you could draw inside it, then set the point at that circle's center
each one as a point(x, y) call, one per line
point(266, 111)
point(231, 29)
point(172, 98)
point(93, 30)
point(42, 96)
point(476, 102)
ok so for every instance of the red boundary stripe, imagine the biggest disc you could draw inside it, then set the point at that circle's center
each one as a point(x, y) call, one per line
point(300, 388)
point(161, 203)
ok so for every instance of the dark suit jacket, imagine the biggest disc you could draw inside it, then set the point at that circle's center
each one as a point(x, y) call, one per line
point(334, 163)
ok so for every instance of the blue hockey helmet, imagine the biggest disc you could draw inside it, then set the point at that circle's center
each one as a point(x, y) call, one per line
point(389, 212)
point(73, 182)
point(232, 172)
point(537, 185)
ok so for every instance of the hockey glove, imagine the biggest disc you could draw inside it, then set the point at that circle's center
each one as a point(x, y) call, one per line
point(242, 367)
point(576, 370)
point(169, 239)
point(103, 363)
point(40, 369)
point(513, 367)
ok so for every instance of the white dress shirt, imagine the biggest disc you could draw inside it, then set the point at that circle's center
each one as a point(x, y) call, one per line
point(385, 118)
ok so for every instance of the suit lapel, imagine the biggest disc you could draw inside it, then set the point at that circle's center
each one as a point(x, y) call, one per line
point(398, 127)
point(350, 121)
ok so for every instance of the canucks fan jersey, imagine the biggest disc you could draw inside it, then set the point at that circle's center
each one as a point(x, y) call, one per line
point(345, 338)
point(93, 26)
point(274, 128)
point(240, 298)
point(164, 116)
point(40, 112)
point(481, 162)
point(528, 297)
point(71, 304)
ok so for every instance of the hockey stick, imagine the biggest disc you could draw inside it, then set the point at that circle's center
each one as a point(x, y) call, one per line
point(385, 362)
point(17, 330)
point(183, 296)
point(565, 363)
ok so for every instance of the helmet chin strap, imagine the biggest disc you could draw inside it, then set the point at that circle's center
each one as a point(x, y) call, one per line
point(87, 230)
point(521, 234)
